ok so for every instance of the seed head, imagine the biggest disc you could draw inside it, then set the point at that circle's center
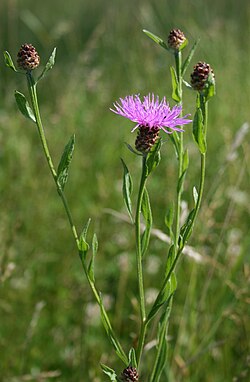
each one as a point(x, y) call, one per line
point(201, 76)
point(27, 57)
point(175, 39)
point(130, 375)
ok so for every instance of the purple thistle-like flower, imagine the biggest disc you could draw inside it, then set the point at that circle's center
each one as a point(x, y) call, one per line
point(151, 113)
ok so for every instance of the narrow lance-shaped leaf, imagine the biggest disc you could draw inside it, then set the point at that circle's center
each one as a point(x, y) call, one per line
point(156, 39)
point(170, 259)
point(132, 150)
point(127, 189)
point(195, 195)
point(175, 86)
point(209, 91)
point(111, 335)
point(132, 358)
point(198, 131)
point(109, 372)
point(147, 215)
point(83, 245)
point(167, 290)
point(185, 162)
point(161, 356)
point(154, 157)
point(169, 220)
point(189, 57)
point(63, 167)
point(24, 107)
point(186, 229)
point(8, 61)
point(91, 268)
point(49, 65)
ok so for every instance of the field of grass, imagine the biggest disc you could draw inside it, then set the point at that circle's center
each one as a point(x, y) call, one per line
point(49, 323)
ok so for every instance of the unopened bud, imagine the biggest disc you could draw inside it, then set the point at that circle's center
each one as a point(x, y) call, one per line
point(27, 57)
point(130, 374)
point(175, 39)
point(201, 76)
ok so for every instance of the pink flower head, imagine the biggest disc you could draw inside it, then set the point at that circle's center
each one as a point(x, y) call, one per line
point(151, 113)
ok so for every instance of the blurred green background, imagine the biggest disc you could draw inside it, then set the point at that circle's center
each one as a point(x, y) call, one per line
point(49, 323)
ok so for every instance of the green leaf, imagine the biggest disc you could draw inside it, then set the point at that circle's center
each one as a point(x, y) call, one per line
point(127, 189)
point(167, 290)
point(91, 267)
point(156, 39)
point(183, 45)
point(175, 86)
point(198, 131)
point(195, 195)
point(83, 245)
point(153, 157)
point(161, 356)
point(209, 91)
point(8, 61)
point(169, 217)
point(187, 85)
point(186, 229)
point(132, 358)
point(170, 259)
point(147, 215)
point(189, 57)
point(110, 372)
point(110, 333)
point(185, 161)
point(132, 150)
point(160, 362)
point(24, 107)
point(63, 167)
point(49, 65)
point(181, 181)
point(175, 139)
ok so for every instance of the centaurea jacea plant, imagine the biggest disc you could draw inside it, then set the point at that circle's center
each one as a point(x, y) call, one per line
point(151, 116)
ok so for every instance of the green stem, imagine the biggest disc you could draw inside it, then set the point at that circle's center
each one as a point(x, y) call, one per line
point(204, 109)
point(34, 101)
point(178, 63)
point(139, 260)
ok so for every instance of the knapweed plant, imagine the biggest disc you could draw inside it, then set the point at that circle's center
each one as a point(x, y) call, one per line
point(153, 117)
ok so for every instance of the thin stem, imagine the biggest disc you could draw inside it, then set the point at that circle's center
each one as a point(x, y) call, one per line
point(178, 63)
point(204, 109)
point(34, 100)
point(139, 260)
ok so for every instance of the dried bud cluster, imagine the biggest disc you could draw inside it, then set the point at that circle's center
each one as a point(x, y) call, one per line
point(27, 57)
point(200, 75)
point(176, 38)
point(146, 138)
point(130, 375)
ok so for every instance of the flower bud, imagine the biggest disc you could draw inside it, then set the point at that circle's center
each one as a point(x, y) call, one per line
point(175, 39)
point(202, 76)
point(146, 138)
point(130, 375)
point(27, 57)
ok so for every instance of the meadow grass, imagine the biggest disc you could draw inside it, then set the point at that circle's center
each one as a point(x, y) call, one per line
point(48, 321)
